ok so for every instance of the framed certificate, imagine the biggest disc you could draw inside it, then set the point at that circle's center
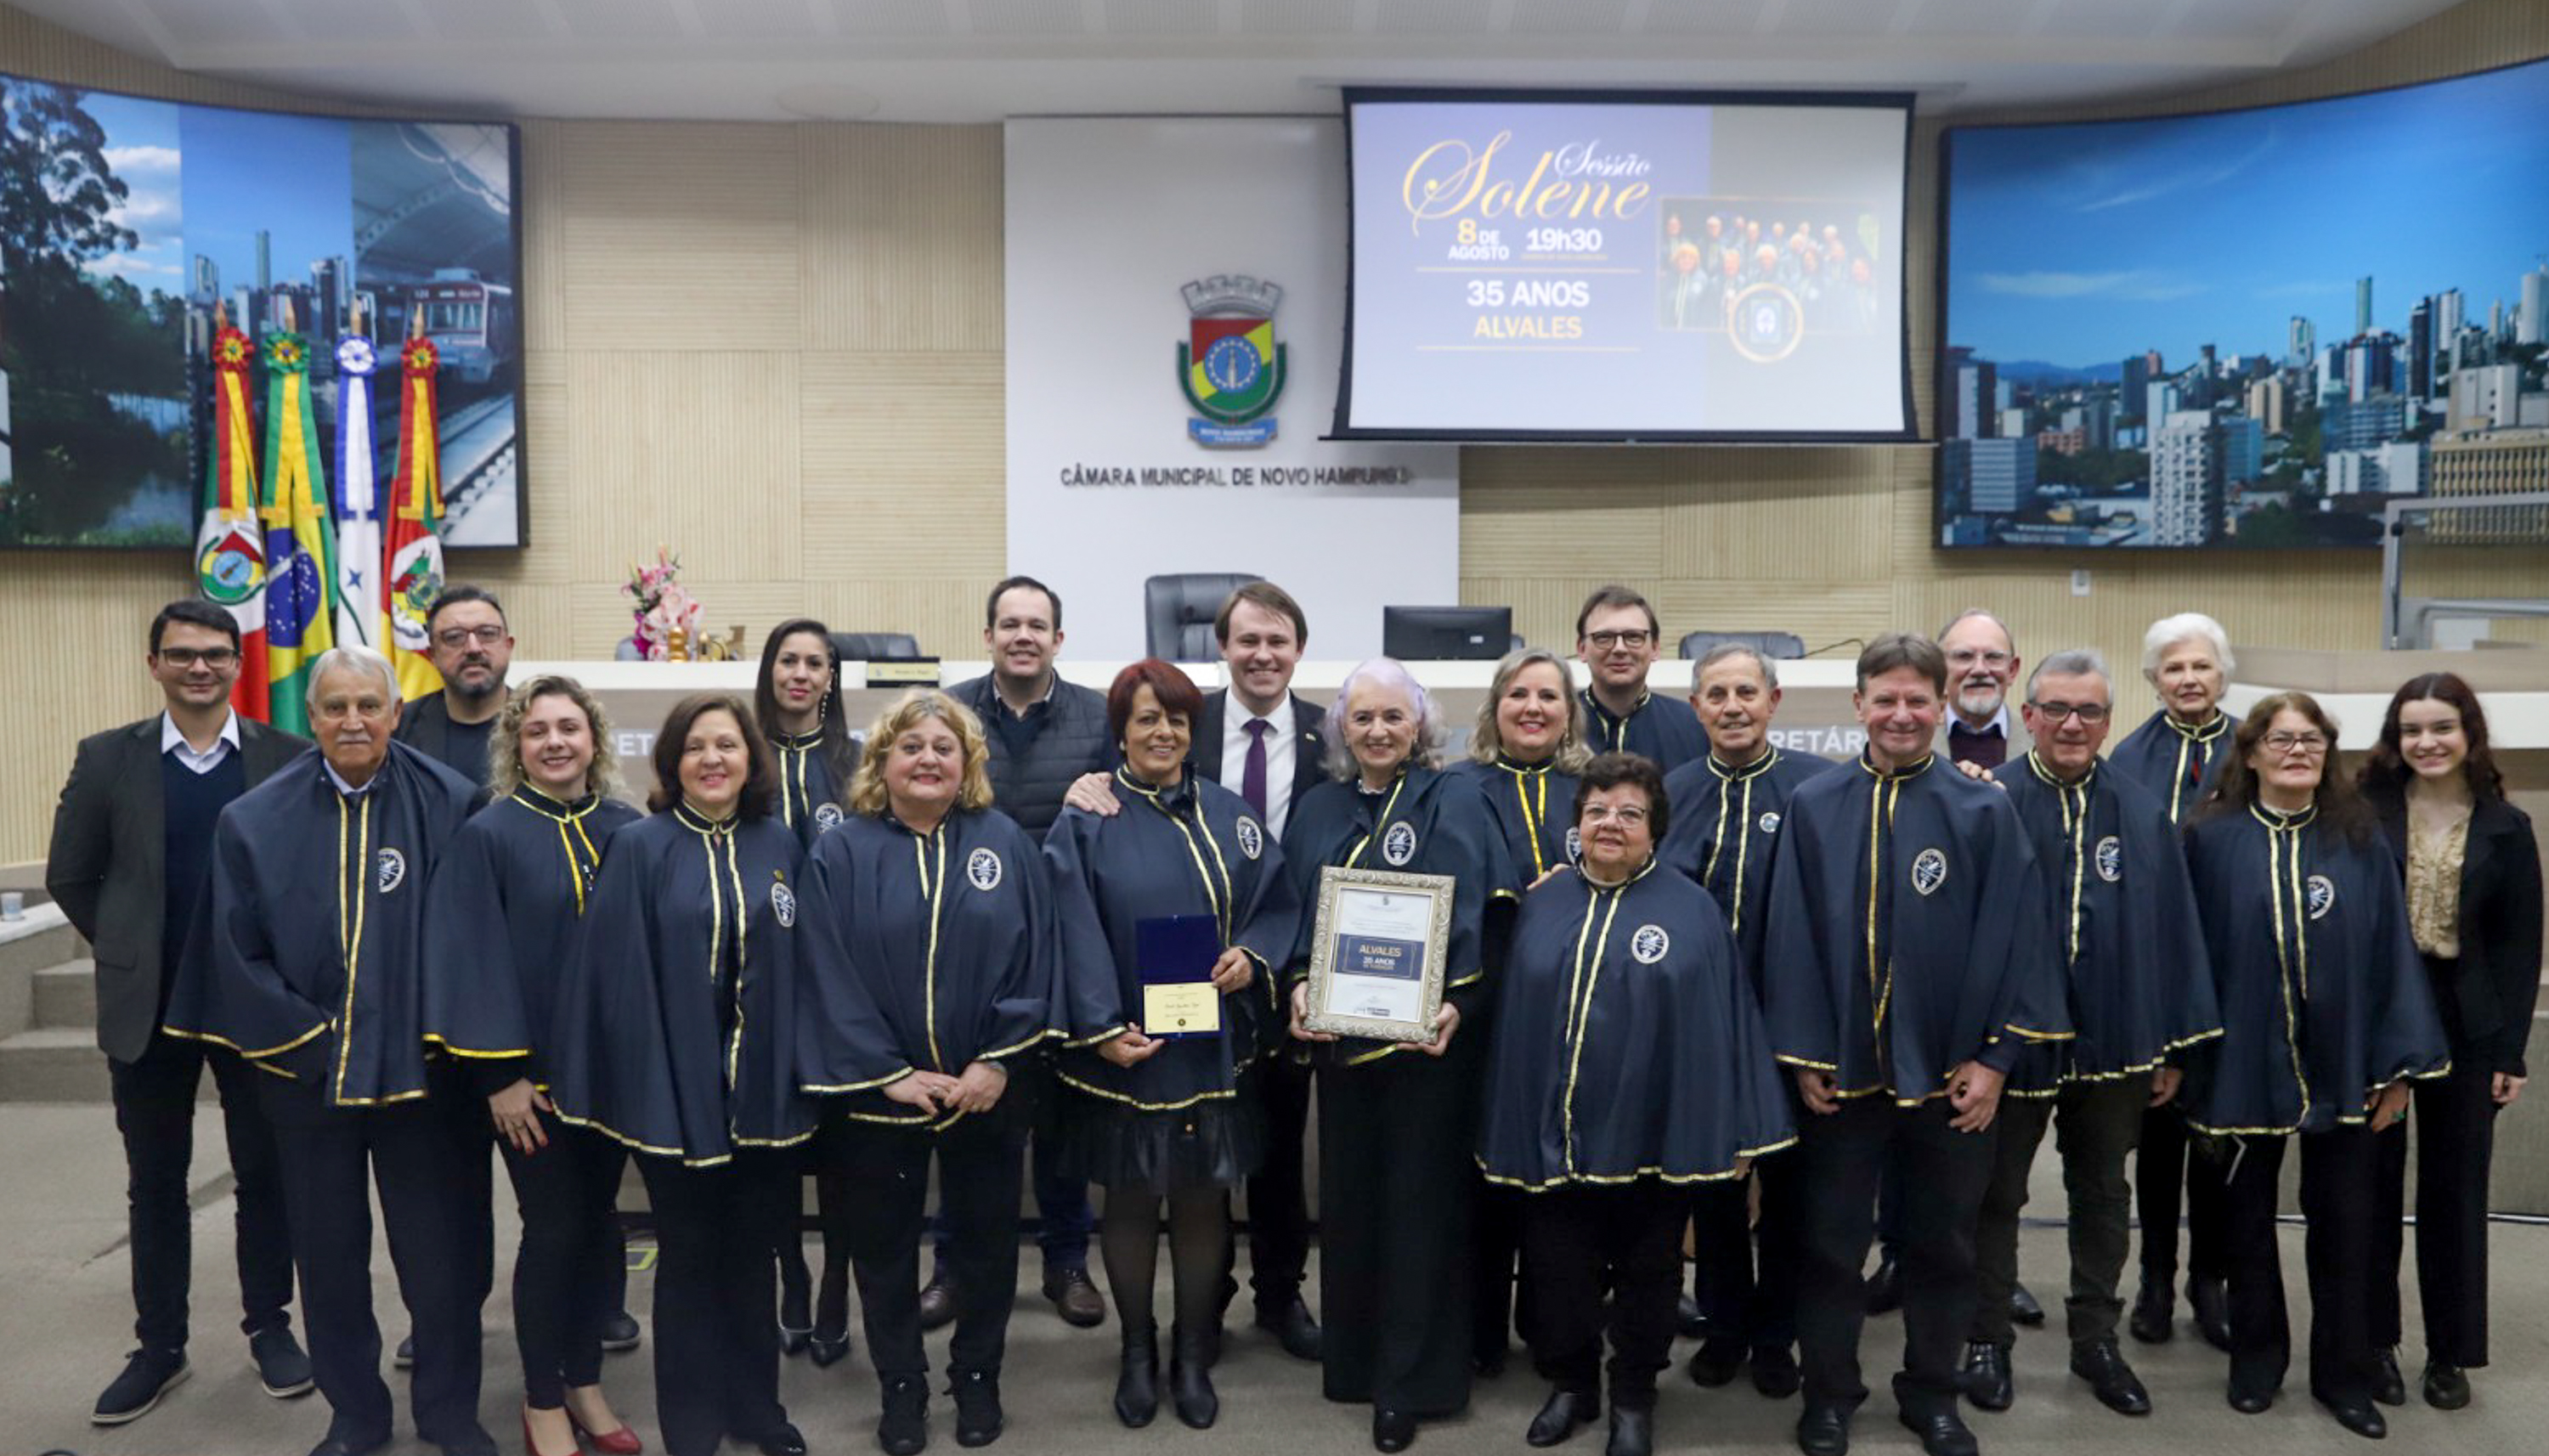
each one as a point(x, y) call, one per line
point(1377, 953)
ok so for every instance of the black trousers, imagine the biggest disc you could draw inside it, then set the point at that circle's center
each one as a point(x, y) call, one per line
point(155, 1111)
point(1278, 1210)
point(1397, 1197)
point(716, 1297)
point(460, 1114)
point(325, 1154)
point(1065, 1217)
point(2338, 1199)
point(1500, 1245)
point(2172, 1164)
point(2455, 1138)
point(568, 1270)
point(979, 1160)
point(2095, 1124)
point(1758, 1305)
point(1943, 1171)
point(1581, 1244)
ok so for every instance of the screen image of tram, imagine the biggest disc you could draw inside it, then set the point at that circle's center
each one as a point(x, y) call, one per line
point(159, 221)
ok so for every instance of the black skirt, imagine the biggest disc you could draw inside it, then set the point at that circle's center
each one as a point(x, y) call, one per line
point(1213, 1144)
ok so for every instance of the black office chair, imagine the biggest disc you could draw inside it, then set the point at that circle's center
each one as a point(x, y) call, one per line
point(1178, 610)
point(875, 647)
point(1768, 644)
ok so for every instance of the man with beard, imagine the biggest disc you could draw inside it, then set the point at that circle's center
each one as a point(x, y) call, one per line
point(1982, 663)
point(472, 648)
point(1727, 811)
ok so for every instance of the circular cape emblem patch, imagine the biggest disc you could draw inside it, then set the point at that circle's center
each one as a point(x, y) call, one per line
point(389, 870)
point(2320, 893)
point(982, 867)
point(1769, 821)
point(1928, 869)
point(1650, 944)
point(1574, 843)
point(2110, 858)
point(1252, 840)
point(1398, 846)
point(827, 818)
point(783, 903)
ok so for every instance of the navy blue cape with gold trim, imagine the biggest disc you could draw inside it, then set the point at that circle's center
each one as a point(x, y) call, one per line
point(1724, 832)
point(1535, 807)
point(1628, 1043)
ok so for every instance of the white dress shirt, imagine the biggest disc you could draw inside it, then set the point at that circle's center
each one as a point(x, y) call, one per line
point(173, 741)
point(1282, 741)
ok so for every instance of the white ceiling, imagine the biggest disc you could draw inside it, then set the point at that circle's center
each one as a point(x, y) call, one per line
point(975, 60)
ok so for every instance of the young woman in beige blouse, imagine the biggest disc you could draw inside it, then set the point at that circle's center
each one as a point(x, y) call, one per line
point(2473, 909)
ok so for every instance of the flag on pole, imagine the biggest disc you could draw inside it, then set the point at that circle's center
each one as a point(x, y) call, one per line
point(300, 574)
point(230, 549)
point(412, 571)
point(359, 506)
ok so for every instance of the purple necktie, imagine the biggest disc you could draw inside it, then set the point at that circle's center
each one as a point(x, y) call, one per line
point(1252, 779)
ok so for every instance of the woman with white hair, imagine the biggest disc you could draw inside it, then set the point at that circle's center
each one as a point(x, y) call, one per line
point(1397, 1121)
point(2179, 754)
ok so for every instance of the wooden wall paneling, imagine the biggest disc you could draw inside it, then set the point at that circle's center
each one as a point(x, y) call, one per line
point(905, 463)
point(697, 452)
point(902, 238)
point(679, 236)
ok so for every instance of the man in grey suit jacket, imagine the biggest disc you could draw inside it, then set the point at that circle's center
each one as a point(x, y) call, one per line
point(129, 863)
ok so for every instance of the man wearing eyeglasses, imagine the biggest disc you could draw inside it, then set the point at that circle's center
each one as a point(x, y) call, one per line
point(472, 648)
point(129, 861)
point(1982, 665)
point(2128, 937)
point(1618, 637)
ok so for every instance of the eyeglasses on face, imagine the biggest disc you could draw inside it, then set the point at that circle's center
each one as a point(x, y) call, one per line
point(2309, 744)
point(486, 636)
point(215, 658)
point(2057, 712)
point(1630, 817)
point(1608, 640)
point(1966, 657)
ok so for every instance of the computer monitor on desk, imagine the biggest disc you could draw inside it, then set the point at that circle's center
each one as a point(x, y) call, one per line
point(1417, 634)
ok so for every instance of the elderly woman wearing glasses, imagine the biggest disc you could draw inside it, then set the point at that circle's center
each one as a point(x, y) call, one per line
point(2325, 1014)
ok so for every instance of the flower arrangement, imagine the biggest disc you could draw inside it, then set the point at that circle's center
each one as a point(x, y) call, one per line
point(664, 606)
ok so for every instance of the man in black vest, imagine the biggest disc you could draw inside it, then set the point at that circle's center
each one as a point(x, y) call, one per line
point(128, 863)
point(1043, 734)
point(472, 647)
point(1260, 741)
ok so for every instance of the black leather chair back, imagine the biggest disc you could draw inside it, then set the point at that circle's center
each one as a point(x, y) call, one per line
point(1177, 612)
point(1768, 644)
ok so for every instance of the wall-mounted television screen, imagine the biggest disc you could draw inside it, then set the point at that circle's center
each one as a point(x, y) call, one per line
point(125, 223)
point(2252, 327)
point(1608, 266)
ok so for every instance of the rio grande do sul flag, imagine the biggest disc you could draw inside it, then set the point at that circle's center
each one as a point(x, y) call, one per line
point(229, 548)
point(411, 556)
point(299, 565)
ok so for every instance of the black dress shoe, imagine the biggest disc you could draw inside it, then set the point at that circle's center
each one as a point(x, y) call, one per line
point(2109, 1378)
point(1717, 1361)
point(2251, 1403)
point(1688, 1323)
point(1986, 1378)
point(476, 1442)
point(2358, 1414)
point(403, 1357)
point(2154, 1312)
point(1190, 1381)
point(978, 1407)
point(1294, 1328)
point(1633, 1433)
point(2388, 1387)
point(1774, 1372)
point(282, 1367)
point(938, 1300)
point(619, 1333)
point(2446, 1386)
point(787, 1440)
point(1073, 1298)
point(1824, 1430)
point(2211, 1301)
point(148, 1375)
point(1943, 1432)
point(1561, 1417)
point(827, 1350)
point(1137, 1379)
point(903, 1428)
point(2023, 1307)
point(1885, 1286)
point(1392, 1430)
point(339, 1446)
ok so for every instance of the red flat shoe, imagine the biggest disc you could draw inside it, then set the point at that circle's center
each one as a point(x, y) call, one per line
point(620, 1442)
point(533, 1447)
